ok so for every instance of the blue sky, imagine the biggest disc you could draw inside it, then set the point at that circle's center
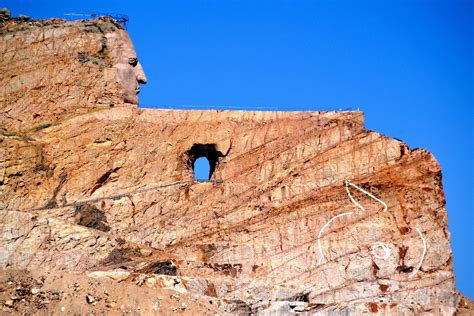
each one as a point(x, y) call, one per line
point(407, 64)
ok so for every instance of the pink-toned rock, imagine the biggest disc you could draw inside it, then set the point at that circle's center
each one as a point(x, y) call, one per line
point(304, 211)
point(116, 275)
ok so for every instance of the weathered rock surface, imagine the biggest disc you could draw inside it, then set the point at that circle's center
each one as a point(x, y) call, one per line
point(289, 222)
point(52, 70)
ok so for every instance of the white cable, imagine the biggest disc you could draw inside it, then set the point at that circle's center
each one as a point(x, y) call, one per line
point(422, 255)
point(385, 248)
point(352, 199)
point(385, 207)
point(321, 255)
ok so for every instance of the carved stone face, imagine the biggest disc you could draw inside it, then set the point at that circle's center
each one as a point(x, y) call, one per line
point(124, 59)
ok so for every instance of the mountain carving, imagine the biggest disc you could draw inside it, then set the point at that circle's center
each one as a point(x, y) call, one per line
point(304, 212)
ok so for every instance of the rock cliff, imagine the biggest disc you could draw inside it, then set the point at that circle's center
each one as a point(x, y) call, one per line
point(304, 212)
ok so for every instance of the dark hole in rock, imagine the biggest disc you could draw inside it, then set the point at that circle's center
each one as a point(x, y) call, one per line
point(404, 230)
point(160, 267)
point(121, 255)
point(239, 307)
point(225, 268)
point(208, 151)
point(405, 269)
point(301, 297)
point(90, 216)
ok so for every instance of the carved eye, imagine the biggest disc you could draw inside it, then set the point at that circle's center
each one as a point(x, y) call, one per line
point(133, 61)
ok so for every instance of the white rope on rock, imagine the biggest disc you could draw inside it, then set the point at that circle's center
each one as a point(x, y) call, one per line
point(358, 205)
point(385, 207)
point(321, 255)
point(384, 247)
point(422, 255)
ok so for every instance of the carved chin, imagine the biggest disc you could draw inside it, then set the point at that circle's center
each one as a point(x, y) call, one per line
point(130, 97)
point(128, 81)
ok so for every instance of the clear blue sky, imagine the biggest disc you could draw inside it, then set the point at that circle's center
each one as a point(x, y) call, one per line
point(407, 64)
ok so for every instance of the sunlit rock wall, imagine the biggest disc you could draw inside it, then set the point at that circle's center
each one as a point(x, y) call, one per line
point(305, 207)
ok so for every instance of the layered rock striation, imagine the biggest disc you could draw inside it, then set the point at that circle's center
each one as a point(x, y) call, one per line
point(304, 212)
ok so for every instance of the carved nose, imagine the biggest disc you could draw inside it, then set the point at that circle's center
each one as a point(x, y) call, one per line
point(141, 77)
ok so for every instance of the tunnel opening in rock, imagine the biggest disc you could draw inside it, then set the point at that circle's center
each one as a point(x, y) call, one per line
point(203, 169)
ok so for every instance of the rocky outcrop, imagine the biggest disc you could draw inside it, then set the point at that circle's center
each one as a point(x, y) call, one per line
point(304, 212)
point(53, 70)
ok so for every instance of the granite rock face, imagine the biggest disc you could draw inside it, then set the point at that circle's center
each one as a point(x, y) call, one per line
point(304, 212)
point(53, 70)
